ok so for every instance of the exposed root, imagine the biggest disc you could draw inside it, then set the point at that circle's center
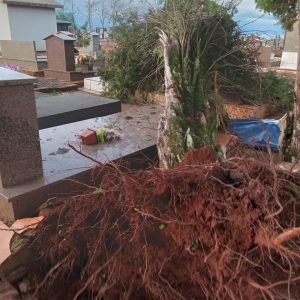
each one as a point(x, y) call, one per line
point(286, 236)
point(205, 229)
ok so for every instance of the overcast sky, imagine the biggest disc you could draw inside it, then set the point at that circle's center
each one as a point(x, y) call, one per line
point(253, 20)
point(250, 19)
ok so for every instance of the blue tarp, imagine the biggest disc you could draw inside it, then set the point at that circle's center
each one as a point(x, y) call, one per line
point(257, 132)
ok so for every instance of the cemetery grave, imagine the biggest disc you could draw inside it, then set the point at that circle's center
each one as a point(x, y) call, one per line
point(72, 107)
point(36, 165)
point(186, 202)
point(20, 156)
point(49, 85)
point(61, 59)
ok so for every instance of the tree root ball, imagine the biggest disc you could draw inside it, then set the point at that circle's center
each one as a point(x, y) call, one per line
point(206, 229)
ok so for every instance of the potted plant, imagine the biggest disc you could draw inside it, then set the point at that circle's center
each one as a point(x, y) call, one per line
point(86, 62)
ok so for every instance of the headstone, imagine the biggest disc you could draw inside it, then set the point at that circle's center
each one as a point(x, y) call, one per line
point(264, 56)
point(60, 51)
point(95, 42)
point(61, 59)
point(20, 154)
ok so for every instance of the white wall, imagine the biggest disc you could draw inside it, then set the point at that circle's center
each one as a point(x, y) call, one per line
point(32, 24)
point(289, 60)
point(4, 23)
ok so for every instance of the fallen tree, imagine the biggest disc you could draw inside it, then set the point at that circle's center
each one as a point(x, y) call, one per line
point(205, 229)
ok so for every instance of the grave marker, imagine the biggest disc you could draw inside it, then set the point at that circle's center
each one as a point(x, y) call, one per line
point(60, 51)
point(95, 42)
point(61, 59)
point(20, 154)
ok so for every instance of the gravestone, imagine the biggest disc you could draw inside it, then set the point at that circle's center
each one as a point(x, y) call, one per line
point(20, 154)
point(60, 51)
point(95, 42)
point(137, 147)
point(61, 59)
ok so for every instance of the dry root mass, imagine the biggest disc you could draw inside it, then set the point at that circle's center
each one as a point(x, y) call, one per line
point(206, 229)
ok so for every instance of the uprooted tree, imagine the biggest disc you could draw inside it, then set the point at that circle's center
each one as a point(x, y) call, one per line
point(204, 229)
point(205, 57)
point(196, 51)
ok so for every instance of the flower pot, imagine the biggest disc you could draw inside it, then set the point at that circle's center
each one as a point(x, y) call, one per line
point(86, 68)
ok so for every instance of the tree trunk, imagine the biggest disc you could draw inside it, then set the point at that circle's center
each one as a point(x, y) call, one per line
point(298, 70)
point(296, 134)
point(166, 157)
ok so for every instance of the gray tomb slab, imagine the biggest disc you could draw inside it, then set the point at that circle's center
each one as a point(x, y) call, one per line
point(138, 128)
point(20, 155)
point(72, 107)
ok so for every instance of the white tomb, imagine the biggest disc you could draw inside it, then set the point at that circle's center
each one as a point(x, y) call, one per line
point(94, 84)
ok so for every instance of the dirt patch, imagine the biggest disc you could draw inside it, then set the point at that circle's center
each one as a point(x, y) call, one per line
point(237, 111)
point(204, 230)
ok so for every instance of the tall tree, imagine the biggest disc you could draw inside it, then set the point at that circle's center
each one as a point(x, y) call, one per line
point(69, 13)
point(102, 10)
point(90, 10)
point(73, 12)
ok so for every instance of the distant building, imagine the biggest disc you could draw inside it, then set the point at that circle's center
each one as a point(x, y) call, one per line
point(291, 47)
point(107, 45)
point(28, 20)
point(267, 50)
point(63, 25)
point(106, 39)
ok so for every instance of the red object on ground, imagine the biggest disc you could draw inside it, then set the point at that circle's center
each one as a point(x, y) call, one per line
point(89, 137)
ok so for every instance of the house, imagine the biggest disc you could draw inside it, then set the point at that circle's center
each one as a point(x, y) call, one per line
point(291, 46)
point(63, 25)
point(106, 40)
point(28, 20)
point(268, 51)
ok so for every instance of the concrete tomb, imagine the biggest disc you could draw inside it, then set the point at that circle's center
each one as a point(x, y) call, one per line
point(94, 85)
point(94, 45)
point(61, 59)
point(73, 107)
point(20, 154)
point(138, 129)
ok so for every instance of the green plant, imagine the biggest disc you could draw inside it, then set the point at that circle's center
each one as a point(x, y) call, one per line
point(278, 93)
point(107, 135)
point(83, 39)
point(285, 10)
point(135, 65)
point(202, 41)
